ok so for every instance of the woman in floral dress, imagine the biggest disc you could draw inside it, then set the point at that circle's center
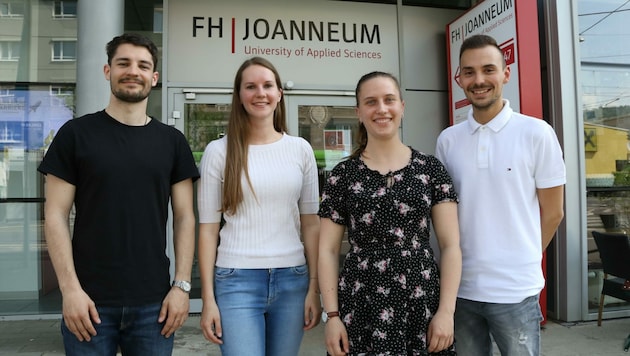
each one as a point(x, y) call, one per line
point(390, 298)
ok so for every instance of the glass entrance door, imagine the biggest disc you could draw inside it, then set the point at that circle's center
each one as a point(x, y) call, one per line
point(202, 118)
point(327, 122)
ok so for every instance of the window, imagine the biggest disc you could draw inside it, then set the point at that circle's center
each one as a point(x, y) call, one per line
point(158, 16)
point(64, 50)
point(60, 90)
point(61, 95)
point(12, 9)
point(65, 9)
point(9, 50)
point(448, 4)
point(605, 90)
point(7, 94)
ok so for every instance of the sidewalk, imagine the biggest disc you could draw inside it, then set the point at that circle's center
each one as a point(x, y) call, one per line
point(42, 337)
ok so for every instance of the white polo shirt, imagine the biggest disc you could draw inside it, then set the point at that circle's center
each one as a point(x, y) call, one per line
point(496, 169)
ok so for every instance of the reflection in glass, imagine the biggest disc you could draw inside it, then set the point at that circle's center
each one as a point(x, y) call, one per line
point(204, 123)
point(605, 78)
point(331, 131)
point(37, 80)
point(30, 116)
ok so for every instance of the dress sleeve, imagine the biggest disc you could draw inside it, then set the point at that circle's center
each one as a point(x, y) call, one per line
point(332, 205)
point(443, 189)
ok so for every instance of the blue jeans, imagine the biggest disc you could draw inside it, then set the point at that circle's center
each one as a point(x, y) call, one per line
point(134, 329)
point(515, 328)
point(262, 310)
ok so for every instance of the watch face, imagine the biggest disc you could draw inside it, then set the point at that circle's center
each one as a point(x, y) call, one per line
point(184, 285)
point(324, 317)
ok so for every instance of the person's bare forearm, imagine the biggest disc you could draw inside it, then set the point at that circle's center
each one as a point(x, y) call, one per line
point(183, 229)
point(184, 245)
point(450, 276)
point(59, 200)
point(57, 233)
point(310, 236)
point(330, 238)
point(208, 243)
point(551, 202)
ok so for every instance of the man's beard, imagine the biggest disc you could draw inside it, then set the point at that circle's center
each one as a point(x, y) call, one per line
point(484, 105)
point(130, 97)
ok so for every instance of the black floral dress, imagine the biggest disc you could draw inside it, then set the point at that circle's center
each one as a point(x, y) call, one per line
point(389, 285)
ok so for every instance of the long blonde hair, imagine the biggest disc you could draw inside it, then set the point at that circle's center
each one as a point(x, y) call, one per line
point(237, 134)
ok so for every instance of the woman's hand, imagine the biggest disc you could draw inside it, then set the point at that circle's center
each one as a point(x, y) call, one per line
point(336, 337)
point(441, 333)
point(312, 309)
point(211, 323)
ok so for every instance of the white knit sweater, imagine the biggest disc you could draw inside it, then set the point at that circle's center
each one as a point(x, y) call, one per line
point(265, 231)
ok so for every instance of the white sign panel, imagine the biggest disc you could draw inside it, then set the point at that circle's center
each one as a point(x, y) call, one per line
point(493, 18)
point(319, 44)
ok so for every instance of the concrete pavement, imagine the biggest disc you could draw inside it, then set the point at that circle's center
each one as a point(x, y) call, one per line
point(42, 337)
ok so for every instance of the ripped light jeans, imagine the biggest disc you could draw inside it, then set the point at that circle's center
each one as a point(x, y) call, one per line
point(515, 328)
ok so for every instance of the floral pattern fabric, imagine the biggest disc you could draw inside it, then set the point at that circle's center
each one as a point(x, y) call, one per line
point(389, 284)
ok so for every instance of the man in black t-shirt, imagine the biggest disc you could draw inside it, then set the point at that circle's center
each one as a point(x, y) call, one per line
point(121, 168)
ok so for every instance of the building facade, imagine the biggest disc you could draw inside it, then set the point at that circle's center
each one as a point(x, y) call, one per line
point(52, 54)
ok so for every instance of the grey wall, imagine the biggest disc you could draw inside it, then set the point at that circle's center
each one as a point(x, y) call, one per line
point(424, 74)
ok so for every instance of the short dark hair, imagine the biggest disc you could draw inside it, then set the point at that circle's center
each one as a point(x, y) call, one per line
point(133, 39)
point(479, 41)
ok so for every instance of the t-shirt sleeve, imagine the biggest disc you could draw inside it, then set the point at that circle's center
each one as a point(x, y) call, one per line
point(59, 160)
point(185, 166)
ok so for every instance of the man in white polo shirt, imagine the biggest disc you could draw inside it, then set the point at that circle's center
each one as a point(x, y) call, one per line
point(509, 173)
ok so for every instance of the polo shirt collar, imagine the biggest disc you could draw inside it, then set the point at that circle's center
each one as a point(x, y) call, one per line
point(496, 124)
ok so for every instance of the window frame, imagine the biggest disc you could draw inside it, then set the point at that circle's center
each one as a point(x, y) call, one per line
point(12, 7)
point(158, 10)
point(13, 49)
point(61, 57)
point(59, 93)
point(62, 14)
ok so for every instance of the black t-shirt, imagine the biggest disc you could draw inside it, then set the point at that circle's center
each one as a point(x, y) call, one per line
point(123, 177)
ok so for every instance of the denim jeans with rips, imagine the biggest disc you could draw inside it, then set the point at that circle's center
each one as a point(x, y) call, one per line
point(515, 328)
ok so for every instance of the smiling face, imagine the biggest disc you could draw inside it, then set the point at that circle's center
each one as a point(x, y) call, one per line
point(131, 73)
point(380, 107)
point(259, 92)
point(482, 77)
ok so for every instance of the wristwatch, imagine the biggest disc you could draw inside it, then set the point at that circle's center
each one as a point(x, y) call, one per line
point(183, 285)
point(328, 315)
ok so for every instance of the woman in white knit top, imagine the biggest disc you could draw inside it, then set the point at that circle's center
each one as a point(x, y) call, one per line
point(259, 281)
